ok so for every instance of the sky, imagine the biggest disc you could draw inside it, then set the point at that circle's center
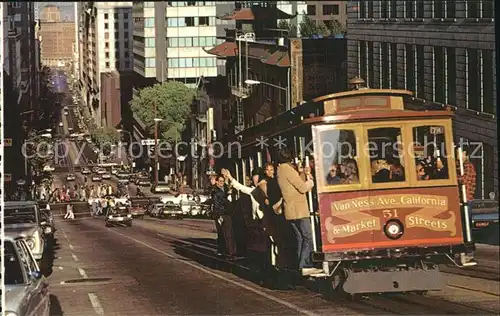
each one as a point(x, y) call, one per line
point(67, 9)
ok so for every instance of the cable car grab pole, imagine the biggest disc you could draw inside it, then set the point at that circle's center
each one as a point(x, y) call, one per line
point(468, 237)
point(311, 209)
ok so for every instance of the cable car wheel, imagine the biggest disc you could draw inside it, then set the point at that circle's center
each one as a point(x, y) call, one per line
point(334, 286)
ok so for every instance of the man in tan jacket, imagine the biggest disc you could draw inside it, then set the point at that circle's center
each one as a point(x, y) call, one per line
point(296, 210)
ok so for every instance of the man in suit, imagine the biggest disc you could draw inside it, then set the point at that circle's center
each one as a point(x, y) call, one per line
point(293, 189)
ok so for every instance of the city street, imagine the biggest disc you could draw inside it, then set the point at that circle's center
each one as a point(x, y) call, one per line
point(165, 267)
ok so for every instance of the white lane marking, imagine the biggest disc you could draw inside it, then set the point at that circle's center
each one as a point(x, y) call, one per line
point(96, 304)
point(75, 257)
point(83, 273)
point(71, 247)
point(221, 277)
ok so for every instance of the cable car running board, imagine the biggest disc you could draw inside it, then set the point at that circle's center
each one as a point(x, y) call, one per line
point(392, 281)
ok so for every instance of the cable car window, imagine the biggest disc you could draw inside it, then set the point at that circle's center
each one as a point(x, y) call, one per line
point(339, 150)
point(431, 158)
point(386, 154)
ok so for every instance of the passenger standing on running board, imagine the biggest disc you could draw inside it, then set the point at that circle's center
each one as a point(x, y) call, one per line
point(296, 209)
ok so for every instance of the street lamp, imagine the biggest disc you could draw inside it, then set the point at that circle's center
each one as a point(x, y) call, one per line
point(156, 120)
point(250, 82)
point(126, 132)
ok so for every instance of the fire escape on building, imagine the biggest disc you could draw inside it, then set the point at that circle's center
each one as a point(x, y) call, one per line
point(253, 25)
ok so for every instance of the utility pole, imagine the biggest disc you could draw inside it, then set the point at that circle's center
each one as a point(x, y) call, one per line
point(156, 145)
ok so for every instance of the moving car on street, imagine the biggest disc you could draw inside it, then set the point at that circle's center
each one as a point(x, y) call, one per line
point(123, 177)
point(86, 170)
point(25, 286)
point(22, 218)
point(96, 178)
point(171, 210)
point(139, 205)
point(143, 181)
point(70, 177)
point(106, 175)
point(118, 216)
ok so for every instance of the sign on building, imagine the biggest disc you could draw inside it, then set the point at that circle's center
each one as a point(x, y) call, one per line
point(147, 142)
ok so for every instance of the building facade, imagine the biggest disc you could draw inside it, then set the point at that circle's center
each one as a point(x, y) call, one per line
point(50, 13)
point(20, 85)
point(444, 51)
point(105, 45)
point(58, 40)
point(169, 38)
point(327, 11)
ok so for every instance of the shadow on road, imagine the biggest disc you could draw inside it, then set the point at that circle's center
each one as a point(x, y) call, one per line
point(254, 268)
point(47, 262)
point(55, 306)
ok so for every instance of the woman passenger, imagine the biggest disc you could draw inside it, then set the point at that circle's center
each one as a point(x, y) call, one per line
point(350, 172)
point(333, 176)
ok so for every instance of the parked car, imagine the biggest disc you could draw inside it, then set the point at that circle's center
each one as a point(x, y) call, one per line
point(25, 286)
point(22, 218)
point(106, 175)
point(485, 221)
point(154, 210)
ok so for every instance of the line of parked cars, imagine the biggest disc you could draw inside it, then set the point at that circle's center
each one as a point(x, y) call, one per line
point(28, 238)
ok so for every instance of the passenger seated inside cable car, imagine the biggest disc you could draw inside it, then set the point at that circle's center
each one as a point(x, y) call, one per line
point(386, 154)
point(430, 153)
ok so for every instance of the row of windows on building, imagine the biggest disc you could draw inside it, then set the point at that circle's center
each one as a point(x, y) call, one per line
point(439, 9)
point(117, 64)
point(479, 76)
point(201, 41)
point(192, 62)
point(117, 26)
point(190, 3)
point(117, 45)
point(191, 21)
point(116, 16)
point(328, 9)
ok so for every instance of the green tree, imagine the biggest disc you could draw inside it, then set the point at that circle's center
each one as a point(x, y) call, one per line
point(335, 27)
point(309, 27)
point(105, 137)
point(173, 101)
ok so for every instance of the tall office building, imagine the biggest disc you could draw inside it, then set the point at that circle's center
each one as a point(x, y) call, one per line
point(444, 51)
point(20, 85)
point(105, 36)
point(169, 38)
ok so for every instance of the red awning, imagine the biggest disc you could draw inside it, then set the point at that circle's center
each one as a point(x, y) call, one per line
point(278, 58)
point(257, 13)
point(226, 49)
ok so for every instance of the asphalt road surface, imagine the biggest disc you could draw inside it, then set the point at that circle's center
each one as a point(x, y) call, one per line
point(167, 267)
point(59, 81)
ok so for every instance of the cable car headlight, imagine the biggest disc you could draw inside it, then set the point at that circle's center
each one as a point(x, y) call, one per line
point(394, 229)
point(47, 230)
point(31, 243)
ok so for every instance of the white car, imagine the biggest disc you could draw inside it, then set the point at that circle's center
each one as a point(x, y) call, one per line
point(25, 286)
point(106, 175)
point(101, 171)
point(61, 124)
point(23, 219)
point(96, 178)
point(70, 177)
point(48, 168)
